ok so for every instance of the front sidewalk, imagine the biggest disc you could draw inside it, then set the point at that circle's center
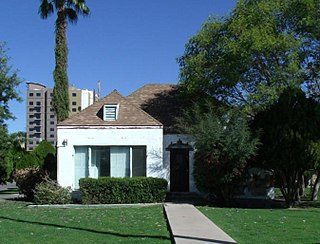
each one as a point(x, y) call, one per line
point(189, 225)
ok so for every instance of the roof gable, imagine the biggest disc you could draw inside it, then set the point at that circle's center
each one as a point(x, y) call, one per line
point(128, 114)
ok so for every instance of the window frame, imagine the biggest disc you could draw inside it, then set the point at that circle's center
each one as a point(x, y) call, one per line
point(91, 164)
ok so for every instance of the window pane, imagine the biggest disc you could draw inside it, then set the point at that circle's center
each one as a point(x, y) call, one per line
point(139, 161)
point(80, 165)
point(100, 162)
point(120, 161)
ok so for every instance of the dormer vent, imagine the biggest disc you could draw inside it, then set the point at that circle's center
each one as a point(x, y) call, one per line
point(110, 112)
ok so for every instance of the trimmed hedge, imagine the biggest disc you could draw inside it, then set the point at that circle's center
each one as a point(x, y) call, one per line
point(109, 190)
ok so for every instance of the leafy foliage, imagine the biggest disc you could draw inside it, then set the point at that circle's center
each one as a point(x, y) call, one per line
point(43, 149)
point(43, 156)
point(67, 10)
point(27, 179)
point(46, 155)
point(290, 127)
point(50, 192)
point(250, 57)
point(10, 153)
point(28, 160)
point(224, 144)
point(9, 82)
point(123, 190)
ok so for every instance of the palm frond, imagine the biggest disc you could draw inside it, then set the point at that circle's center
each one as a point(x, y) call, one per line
point(71, 15)
point(79, 6)
point(45, 9)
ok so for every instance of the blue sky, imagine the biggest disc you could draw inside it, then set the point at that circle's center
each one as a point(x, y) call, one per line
point(123, 43)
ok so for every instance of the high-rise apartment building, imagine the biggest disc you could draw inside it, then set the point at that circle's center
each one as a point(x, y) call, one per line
point(41, 119)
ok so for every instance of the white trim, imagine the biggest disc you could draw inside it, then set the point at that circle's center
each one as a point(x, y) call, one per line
point(130, 161)
point(109, 126)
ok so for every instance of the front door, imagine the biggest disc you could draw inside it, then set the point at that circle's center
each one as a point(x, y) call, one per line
point(179, 170)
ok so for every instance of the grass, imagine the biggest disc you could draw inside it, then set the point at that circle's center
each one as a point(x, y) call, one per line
point(267, 226)
point(19, 224)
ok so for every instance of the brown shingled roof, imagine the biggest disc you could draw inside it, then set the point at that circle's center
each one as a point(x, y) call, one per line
point(128, 114)
point(163, 102)
point(149, 92)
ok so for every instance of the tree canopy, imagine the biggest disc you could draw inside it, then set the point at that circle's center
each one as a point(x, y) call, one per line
point(290, 134)
point(248, 58)
point(9, 81)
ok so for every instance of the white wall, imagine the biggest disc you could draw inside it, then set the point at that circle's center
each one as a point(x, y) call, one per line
point(152, 138)
point(167, 139)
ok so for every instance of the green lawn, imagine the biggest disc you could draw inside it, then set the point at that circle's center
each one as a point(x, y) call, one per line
point(19, 224)
point(267, 226)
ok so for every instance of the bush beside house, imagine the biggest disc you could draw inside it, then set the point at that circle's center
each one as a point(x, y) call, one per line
point(27, 179)
point(32, 167)
point(108, 190)
point(50, 192)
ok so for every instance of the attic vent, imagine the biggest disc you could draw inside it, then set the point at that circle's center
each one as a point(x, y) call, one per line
point(110, 112)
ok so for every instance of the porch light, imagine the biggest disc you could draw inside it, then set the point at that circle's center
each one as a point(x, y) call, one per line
point(65, 142)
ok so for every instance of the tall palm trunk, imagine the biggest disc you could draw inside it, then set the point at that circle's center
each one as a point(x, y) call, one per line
point(60, 92)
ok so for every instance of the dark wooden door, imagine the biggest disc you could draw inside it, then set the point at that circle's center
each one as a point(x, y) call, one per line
point(179, 170)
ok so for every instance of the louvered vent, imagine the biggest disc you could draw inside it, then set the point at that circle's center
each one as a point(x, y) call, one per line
point(110, 112)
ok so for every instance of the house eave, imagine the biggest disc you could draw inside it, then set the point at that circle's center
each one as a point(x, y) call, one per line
point(109, 126)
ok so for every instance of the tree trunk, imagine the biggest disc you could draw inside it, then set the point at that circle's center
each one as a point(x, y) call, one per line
point(290, 190)
point(60, 92)
point(315, 189)
point(302, 186)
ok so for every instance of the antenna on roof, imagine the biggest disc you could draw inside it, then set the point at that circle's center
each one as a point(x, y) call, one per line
point(99, 89)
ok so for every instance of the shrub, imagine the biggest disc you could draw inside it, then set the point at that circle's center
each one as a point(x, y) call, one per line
point(43, 156)
point(50, 192)
point(43, 149)
point(46, 153)
point(123, 190)
point(28, 160)
point(27, 179)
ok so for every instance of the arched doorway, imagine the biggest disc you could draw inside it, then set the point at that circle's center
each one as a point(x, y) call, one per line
point(179, 166)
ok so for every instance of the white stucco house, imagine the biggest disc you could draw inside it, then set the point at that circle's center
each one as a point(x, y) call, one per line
point(125, 137)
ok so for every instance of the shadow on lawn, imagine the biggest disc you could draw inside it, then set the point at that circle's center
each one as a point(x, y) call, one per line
point(84, 229)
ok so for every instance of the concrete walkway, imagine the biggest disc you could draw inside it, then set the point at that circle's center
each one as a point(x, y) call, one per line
point(5, 187)
point(189, 225)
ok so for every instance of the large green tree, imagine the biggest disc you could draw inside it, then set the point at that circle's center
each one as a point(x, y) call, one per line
point(9, 81)
point(248, 58)
point(10, 152)
point(67, 11)
point(224, 143)
point(290, 134)
point(303, 18)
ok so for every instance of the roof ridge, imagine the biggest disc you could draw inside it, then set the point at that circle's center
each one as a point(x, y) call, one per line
point(151, 84)
point(132, 104)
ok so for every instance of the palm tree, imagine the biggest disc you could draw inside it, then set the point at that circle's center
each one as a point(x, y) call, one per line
point(67, 11)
